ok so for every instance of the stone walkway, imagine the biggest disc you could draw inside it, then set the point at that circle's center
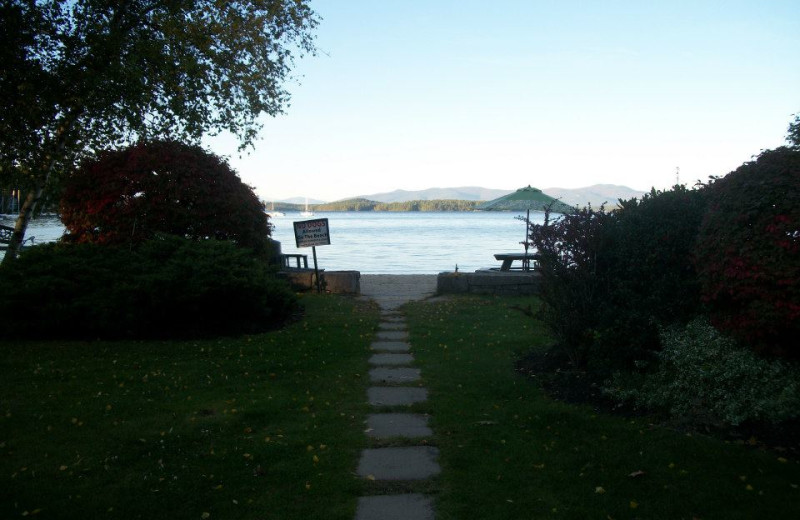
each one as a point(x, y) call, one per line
point(396, 385)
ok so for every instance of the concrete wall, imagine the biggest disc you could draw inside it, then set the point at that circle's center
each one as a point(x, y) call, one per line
point(336, 282)
point(499, 283)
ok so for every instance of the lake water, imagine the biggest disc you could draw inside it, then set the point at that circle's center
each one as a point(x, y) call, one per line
point(392, 242)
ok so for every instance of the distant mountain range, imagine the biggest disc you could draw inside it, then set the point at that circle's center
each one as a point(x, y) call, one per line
point(301, 200)
point(594, 195)
point(463, 193)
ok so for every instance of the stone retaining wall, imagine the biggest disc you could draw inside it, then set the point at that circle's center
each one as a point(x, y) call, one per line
point(489, 282)
point(338, 282)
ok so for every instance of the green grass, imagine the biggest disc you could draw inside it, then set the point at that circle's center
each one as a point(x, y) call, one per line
point(267, 426)
point(509, 452)
point(271, 426)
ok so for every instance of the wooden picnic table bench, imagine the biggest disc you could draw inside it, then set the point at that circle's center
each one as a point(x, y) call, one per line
point(5, 237)
point(286, 261)
point(529, 261)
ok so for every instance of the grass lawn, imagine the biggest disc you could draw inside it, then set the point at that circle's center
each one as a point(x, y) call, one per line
point(509, 452)
point(265, 427)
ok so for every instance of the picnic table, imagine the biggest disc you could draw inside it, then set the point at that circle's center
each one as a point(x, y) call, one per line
point(525, 259)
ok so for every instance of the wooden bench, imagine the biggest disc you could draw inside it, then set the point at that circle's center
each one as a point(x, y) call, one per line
point(286, 261)
point(5, 237)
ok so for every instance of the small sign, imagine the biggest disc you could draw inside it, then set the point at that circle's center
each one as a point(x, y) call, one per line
point(308, 233)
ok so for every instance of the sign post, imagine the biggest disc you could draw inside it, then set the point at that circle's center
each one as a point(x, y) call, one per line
point(312, 233)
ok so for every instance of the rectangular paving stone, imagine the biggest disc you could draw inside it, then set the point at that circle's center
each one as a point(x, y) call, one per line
point(390, 346)
point(388, 425)
point(413, 506)
point(412, 463)
point(396, 395)
point(391, 325)
point(394, 375)
point(391, 359)
point(392, 335)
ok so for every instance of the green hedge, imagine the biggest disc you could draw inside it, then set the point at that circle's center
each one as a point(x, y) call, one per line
point(168, 287)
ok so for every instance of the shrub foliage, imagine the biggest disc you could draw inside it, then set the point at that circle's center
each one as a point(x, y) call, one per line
point(573, 288)
point(167, 287)
point(748, 256)
point(130, 195)
point(728, 252)
point(610, 279)
point(703, 376)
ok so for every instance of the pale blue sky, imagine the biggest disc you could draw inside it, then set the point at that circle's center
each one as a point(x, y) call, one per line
point(502, 94)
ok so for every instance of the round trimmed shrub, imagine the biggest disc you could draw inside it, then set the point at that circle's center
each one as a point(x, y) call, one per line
point(748, 253)
point(131, 195)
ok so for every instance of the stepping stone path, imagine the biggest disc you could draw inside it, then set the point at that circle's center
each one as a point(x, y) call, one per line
point(396, 384)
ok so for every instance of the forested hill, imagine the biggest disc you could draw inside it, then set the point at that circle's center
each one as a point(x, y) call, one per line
point(412, 205)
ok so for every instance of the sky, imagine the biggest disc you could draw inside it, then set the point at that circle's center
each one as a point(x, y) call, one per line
point(419, 94)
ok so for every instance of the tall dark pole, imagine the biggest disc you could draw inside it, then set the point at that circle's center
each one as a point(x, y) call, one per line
point(316, 271)
point(525, 262)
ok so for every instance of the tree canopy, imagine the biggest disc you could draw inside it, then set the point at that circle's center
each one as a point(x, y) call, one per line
point(131, 195)
point(85, 75)
point(793, 133)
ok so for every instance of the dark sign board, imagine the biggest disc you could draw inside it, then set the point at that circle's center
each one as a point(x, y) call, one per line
point(308, 233)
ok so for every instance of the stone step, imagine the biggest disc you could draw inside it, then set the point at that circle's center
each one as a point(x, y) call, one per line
point(396, 395)
point(391, 325)
point(388, 425)
point(392, 335)
point(413, 506)
point(394, 375)
point(390, 346)
point(412, 463)
point(391, 359)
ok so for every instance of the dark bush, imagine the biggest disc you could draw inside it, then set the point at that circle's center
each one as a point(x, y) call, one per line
point(573, 287)
point(610, 280)
point(162, 187)
point(649, 270)
point(748, 254)
point(168, 287)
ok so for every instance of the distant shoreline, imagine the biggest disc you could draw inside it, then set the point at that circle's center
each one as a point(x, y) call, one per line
point(371, 205)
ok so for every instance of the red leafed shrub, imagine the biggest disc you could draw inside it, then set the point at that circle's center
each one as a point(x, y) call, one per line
point(748, 252)
point(164, 187)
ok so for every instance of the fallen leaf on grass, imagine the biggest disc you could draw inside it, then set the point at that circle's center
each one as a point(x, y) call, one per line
point(638, 473)
point(599, 490)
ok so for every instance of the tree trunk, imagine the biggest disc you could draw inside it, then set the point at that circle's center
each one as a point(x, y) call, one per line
point(58, 145)
point(24, 218)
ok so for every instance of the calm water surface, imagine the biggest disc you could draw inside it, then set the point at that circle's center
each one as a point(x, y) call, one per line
point(412, 242)
point(390, 243)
